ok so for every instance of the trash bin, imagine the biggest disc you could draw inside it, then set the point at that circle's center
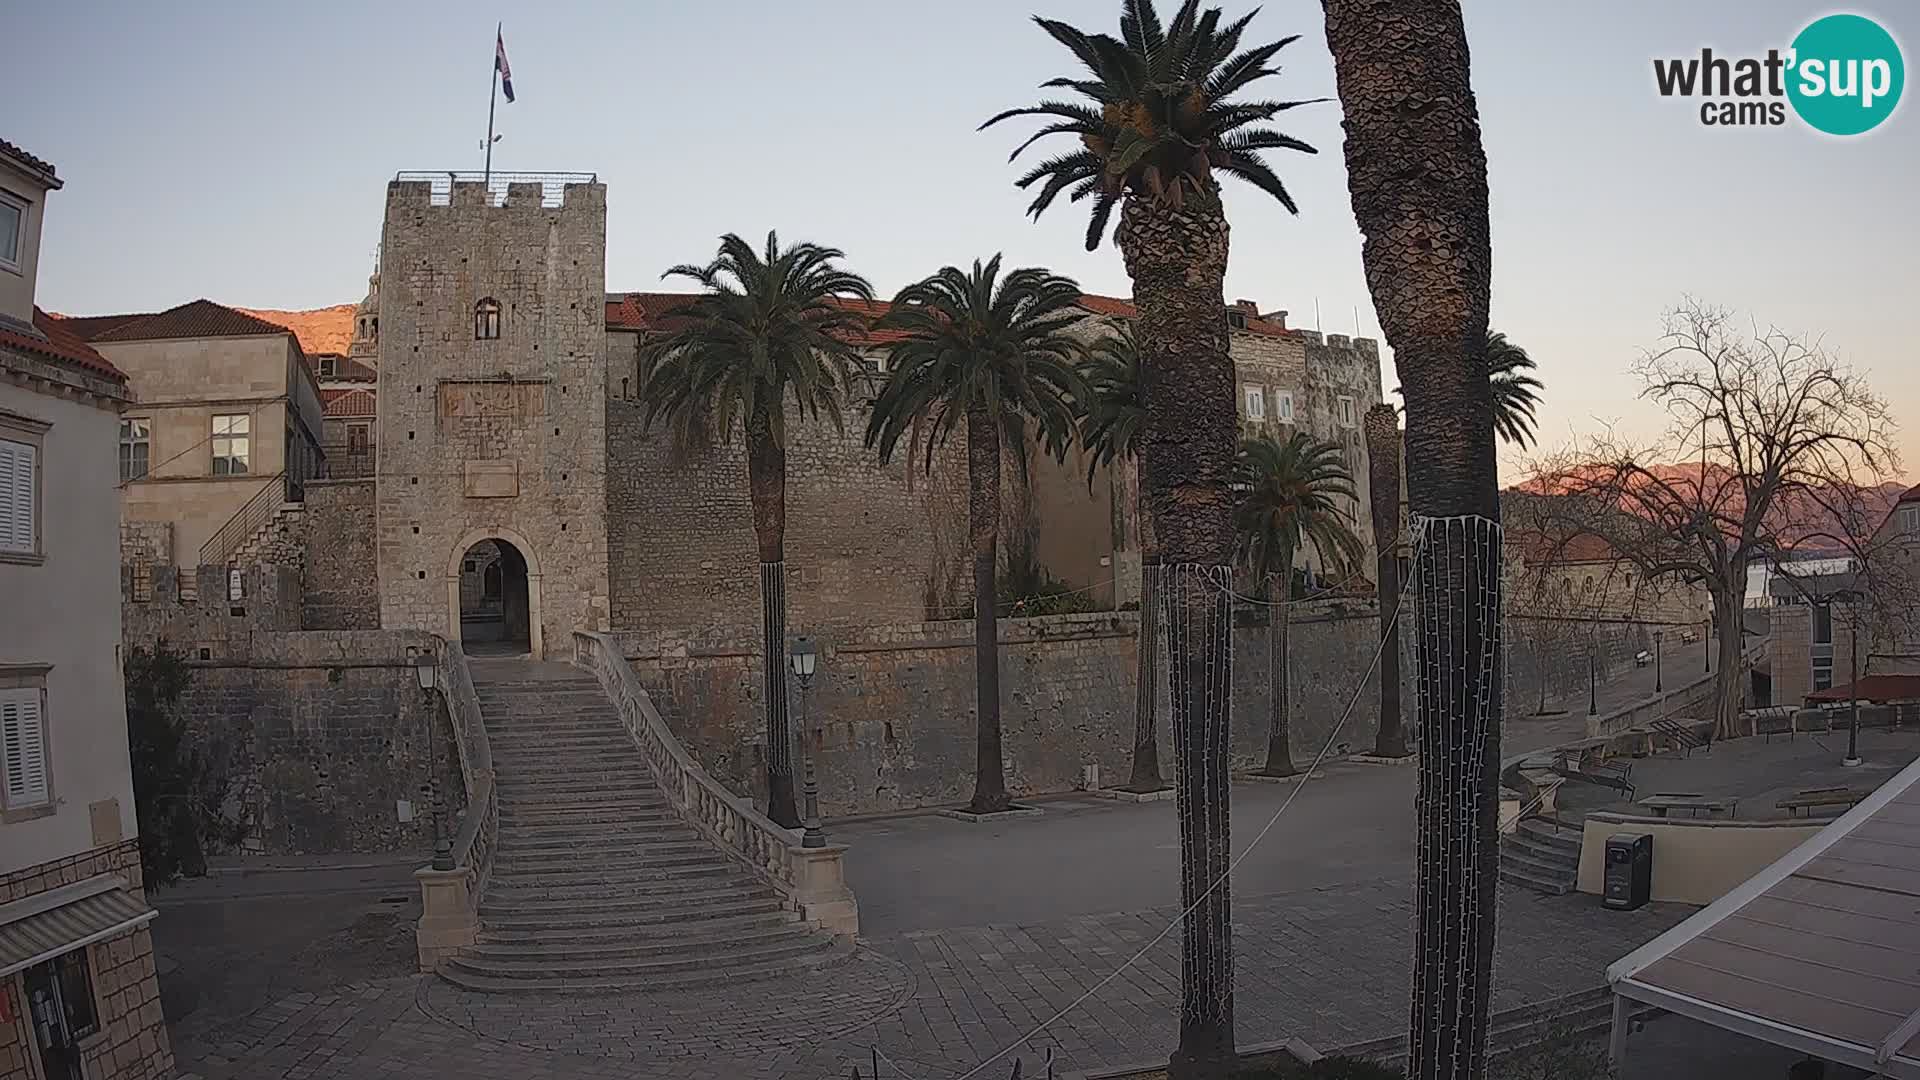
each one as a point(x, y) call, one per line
point(1629, 872)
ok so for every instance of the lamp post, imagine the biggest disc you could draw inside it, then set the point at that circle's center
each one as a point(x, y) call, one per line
point(1709, 642)
point(1852, 760)
point(1593, 683)
point(442, 844)
point(1658, 686)
point(804, 658)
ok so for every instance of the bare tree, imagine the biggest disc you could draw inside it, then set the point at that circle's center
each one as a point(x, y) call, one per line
point(1763, 423)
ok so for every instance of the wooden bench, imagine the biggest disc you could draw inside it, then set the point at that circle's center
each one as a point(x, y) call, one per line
point(1817, 798)
point(1662, 802)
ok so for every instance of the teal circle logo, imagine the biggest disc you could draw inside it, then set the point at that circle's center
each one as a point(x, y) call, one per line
point(1845, 74)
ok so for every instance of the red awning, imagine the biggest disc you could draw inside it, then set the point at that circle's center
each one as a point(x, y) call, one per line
point(1879, 689)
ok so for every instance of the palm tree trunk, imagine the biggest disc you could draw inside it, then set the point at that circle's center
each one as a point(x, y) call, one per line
point(767, 483)
point(1383, 490)
point(1280, 677)
point(1146, 664)
point(1177, 258)
point(983, 525)
point(1418, 177)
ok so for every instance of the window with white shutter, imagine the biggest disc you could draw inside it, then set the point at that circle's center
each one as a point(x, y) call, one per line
point(18, 474)
point(23, 749)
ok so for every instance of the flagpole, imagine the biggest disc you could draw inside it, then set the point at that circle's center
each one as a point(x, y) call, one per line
point(492, 98)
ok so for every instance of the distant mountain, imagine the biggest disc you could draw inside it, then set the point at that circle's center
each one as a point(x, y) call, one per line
point(320, 330)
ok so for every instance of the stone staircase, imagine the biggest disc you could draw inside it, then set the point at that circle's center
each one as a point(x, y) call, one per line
point(278, 540)
point(597, 886)
point(1538, 857)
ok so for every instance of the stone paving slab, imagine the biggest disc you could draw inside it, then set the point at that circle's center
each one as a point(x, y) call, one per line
point(1327, 965)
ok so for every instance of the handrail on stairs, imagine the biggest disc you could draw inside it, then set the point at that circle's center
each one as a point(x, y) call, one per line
point(245, 521)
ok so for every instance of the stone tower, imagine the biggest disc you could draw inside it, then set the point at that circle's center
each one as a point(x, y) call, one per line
point(366, 325)
point(492, 408)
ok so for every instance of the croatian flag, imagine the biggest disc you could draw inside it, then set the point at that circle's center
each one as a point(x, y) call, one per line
point(500, 64)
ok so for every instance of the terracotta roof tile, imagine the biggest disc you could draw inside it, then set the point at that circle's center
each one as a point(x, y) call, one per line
point(61, 345)
point(40, 165)
point(347, 403)
point(195, 319)
point(88, 327)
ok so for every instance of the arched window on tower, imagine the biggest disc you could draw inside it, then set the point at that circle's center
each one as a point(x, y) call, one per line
point(486, 320)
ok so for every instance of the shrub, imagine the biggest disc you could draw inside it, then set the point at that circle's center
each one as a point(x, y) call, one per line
point(179, 784)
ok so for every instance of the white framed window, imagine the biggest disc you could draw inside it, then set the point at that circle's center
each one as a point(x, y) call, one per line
point(1823, 673)
point(1283, 405)
point(1256, 403)
point(26, 779)
point(1344, 410)
point(13, 230)
point(232, 444)
point(1909, 519)
point(136, 447)
point(19, 497)
point(329, 367)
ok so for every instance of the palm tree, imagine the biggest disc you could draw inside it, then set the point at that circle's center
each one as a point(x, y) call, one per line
point(1514, 390)
point(998, 355)
point(1382, 428)
point(1417, 174)
point(769, 326)
point(1109, 423)
point(1159, 115)
point(1289, 492)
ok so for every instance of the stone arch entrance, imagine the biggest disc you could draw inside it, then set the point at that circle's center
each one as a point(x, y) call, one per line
point(493, 594)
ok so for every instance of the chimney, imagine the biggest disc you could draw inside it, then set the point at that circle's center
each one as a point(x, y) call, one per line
point(1276, 317)
point(1248, 307)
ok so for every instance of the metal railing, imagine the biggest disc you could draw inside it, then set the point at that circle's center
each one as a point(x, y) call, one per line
point(245, 522)
point(553, 185)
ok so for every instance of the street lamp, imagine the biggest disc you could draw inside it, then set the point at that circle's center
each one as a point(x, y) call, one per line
point(804, 658)
point(1852, 760)
point(423, 671)
point(1593, 684)
point(1658, 687)
point(1709, 642)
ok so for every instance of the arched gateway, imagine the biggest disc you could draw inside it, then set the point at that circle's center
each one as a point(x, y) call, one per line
point(493, 594)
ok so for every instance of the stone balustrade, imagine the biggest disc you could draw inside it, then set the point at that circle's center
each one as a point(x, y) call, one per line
point(812, 879)
point(450, 898)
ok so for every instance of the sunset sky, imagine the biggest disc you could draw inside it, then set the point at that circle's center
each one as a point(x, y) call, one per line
point(240, 152)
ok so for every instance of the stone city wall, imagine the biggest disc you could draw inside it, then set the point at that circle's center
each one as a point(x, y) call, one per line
point(339, 586)
point(324, 734)
point(865, 542)
point(893, 705)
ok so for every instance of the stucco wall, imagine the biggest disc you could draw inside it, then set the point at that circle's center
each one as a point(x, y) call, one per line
point(68, 608)
point(500, 438)
point(1694, 862)
point(16, 286)
point(894, 704)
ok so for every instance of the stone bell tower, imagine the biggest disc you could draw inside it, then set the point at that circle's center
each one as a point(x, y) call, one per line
point(492, 409)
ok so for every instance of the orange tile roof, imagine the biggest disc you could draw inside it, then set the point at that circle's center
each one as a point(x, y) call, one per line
point(194, 319)
point(88, 327)
point(62, 345)
point(347, 403)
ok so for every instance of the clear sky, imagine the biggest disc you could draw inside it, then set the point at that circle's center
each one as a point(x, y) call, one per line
point(239, 151)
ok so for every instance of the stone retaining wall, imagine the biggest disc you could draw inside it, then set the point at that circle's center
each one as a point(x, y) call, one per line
point(324, 733)
point(892, 708)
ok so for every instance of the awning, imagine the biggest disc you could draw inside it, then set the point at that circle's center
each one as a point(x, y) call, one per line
point(60, 920)
point(1879, 689)
point(1819, 952)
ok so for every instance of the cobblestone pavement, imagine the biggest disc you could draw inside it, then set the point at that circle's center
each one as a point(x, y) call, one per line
point(1327, 965)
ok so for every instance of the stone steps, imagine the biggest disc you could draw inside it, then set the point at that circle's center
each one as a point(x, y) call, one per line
point(597, 884)
point(1538, 857)
point(625, 981)
point(598, 913)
